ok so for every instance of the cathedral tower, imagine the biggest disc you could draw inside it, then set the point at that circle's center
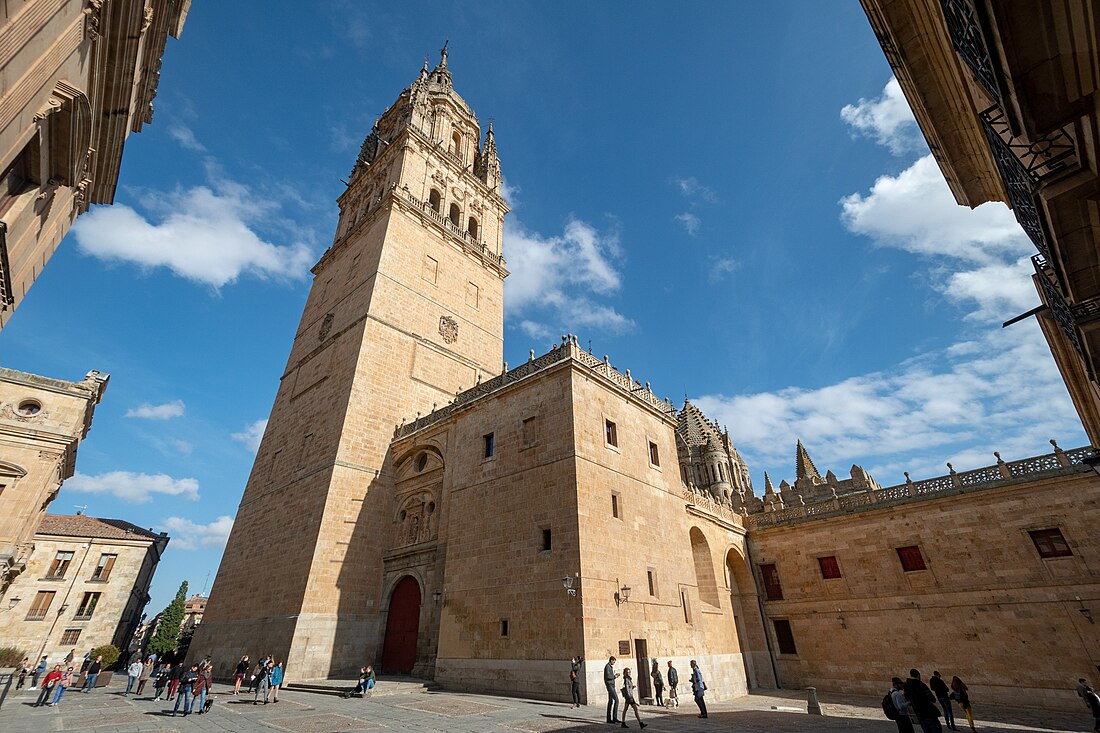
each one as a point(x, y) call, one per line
point(404, 311)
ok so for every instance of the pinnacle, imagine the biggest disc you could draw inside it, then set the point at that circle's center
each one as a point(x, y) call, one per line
point(804, 465)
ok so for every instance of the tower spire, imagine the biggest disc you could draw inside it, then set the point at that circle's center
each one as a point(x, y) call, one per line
point(768, 488)
point(803, 464)
point(443, 54)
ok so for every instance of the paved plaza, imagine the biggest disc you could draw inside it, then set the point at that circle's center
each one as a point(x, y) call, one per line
point(107, 710)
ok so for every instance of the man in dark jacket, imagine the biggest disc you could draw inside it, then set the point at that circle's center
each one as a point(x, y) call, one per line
point(93, 672)
point(186, 690)
point(939, 687)
point(923, 703)
point(609, 676)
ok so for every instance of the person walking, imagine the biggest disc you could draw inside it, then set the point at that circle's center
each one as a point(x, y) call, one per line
point(263, 682)
point(943, 694)
point(923, 702)
point(238, 675)
point(92, 674)
point(609, 677)
point(174, 676)
point(39, 670)
point(186, 690)
point(201, 688)
point(24, 670)
point(658, 683)
point(899, 706)
point(160, 679)
point(960, 694)
point(277, 679)
point(47, 686)
point(673, 680)
point(70, 656)
point(629, 700)
point(144, 675)
point(133, 672)
point(575, 681)
point(1093, 703)
point(66, 680)
point(698, 688)
point(255, 675)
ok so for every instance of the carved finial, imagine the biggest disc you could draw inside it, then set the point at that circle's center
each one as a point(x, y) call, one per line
point(998, 457)
point(531, 355)
point(606, 359)
point(647, 389)
point(1055, 444)
point(907, 479)
point(424, 69)
point(443, 54)
point(629, 378)
point(505, 370)
point(950, 467)
point(479, 377)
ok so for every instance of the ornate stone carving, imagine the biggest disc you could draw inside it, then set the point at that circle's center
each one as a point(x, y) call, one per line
point(326, 326)
point(93, 13)
point(458, 194)
point(448, 329)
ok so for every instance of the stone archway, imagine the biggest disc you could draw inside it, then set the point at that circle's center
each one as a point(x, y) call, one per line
point(749, 621)
point(402, 627)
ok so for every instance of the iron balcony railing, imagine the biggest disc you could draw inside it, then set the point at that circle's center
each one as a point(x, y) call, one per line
point(1060, 310)
point(961, 17)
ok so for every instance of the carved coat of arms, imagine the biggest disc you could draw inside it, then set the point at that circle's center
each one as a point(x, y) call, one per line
point(448, 329)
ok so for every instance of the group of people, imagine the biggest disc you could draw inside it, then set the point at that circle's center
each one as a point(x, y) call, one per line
point(60, 678)
point(1092, 701)
point(264, 676)
point(912, 700)
point(628, 689)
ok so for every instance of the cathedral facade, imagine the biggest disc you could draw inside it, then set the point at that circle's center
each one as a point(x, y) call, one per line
point(457, 518)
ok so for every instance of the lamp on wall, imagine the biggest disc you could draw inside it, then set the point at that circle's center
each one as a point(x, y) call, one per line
point(13, 602)
point(1086, 612)
point(567, 583)
point(440, 597)
point(622, 595)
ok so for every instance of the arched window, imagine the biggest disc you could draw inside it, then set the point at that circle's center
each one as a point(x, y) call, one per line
point(435, 200)
point(455, 216)
point(471, 227)
point(456, 144)
point(721, 473)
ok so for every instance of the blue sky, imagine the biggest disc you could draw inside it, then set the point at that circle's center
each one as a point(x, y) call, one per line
point(729, 199)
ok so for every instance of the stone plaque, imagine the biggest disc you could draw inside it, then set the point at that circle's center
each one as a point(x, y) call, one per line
point(624, 648)
point(448, 329)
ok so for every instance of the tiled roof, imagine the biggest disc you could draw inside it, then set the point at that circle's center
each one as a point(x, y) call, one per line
point(81, 525)
point(694, 426)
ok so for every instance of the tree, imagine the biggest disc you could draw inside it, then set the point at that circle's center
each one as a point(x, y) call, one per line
point(165, 639)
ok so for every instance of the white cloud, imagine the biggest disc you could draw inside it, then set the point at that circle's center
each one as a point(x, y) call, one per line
point(722, 267)
point(252, 435)
point(557, 278)
point(997, 290)
point(134, 487)
point(999, 392)
point(888, 119)
point(689, 221)
point(165, 411)
point(188, 535)
point(691, 188)
point(915, 211)
point(202, 234)
point(186, 138)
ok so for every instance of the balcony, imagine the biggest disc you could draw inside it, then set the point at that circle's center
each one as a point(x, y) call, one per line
point(1060, 310)
point(965, 30)
point(36, 614)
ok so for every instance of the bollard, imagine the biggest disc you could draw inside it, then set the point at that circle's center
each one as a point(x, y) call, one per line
point(813, 707)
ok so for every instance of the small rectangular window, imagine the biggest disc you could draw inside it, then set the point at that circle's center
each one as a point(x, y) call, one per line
point(830, 568)
point(71, 636)
point(488, 445)
point(616, 507)
point(87, 606)
point(611, 435)
point(60, 564)
point(687, 608)
point(773, 590)
point(654, 456)
point(651, 578)
point(784, 636)
point(472, 295)
point(547, 539)
point(911, 559)
point(530, 431)
point(42, 602)
point(106, 565)
point(1050, 543)
point(431, 269)
point(504, 627)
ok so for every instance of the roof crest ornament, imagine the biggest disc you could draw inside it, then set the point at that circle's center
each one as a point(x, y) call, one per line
point(443, 54)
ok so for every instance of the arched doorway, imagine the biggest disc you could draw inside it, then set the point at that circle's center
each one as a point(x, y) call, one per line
point(402, 625)
point(749, 623)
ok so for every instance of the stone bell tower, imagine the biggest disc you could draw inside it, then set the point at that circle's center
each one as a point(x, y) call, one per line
point(405, 310)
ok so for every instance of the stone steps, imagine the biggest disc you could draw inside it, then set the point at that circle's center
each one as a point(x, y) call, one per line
point(384, 686)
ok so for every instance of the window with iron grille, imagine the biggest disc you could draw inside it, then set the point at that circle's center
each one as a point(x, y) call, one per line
point(60, 564)
point(87, 605)
point(911, 559)
point(773, 590)
point(1050, 543)
point(71, 636)
point(41, 604)
point(104, 567)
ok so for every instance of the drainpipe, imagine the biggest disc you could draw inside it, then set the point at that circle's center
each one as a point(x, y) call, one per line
point(763, 615)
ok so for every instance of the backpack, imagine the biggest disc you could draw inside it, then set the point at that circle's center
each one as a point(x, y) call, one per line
point(888, 707)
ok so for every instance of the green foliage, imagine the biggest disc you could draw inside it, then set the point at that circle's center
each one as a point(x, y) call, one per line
point(10, 656)
point(109, 652)
point(166, 638)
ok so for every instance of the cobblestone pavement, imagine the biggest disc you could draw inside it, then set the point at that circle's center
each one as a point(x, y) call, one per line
point(108, 711)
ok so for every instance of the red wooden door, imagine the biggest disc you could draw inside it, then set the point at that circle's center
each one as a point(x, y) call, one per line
point(402, 625)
